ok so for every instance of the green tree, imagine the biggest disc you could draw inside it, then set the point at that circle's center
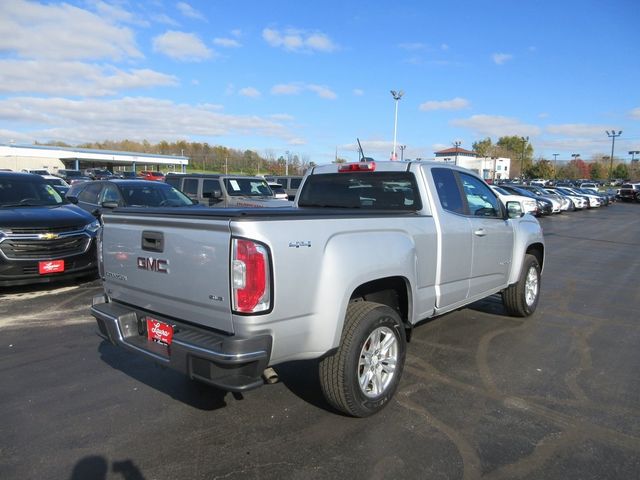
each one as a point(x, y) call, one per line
point(484, 148)
point(596, 171)
point(621, 171)
point(541, 169)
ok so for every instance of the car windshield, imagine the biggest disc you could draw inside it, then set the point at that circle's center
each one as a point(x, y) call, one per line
point(247, 187)
point(501, 191)
point(72, 173)
point(160, 195)
point(25, 192)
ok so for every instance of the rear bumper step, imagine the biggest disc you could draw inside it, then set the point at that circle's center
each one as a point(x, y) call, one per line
point(227, 362)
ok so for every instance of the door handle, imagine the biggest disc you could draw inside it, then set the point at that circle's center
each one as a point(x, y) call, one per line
point(481, 232)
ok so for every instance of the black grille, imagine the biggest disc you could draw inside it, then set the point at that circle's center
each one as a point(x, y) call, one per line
point(36, 230)
point(61, 247)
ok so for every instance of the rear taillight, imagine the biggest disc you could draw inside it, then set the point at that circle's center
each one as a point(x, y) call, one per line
point(250, 276)
point(357, 167)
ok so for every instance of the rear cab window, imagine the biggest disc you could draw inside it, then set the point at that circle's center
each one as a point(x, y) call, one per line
point(365, 190)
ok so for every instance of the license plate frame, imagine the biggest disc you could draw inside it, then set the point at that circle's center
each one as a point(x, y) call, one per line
point(159, 331)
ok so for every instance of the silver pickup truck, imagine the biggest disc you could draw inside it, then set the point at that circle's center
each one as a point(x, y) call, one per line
point(370, 250)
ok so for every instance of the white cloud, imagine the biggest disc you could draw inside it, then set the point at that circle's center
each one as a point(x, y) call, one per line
point(189, 12)
point(294, 40)
point(61, 32)
point(284, 89)
point(227, 42)
point(358, 92)
point(182, 46)
point(322, 91)
point(501, 58)
point(249, 92)
point(297, 141)
point(577, 130)
point(117, 14)
point(635, 113)
point(453, 104)
point(284, 117)
point(297, 88)
point(75, 78)
point(137, 118)
point(496, 126)
point(164, 19)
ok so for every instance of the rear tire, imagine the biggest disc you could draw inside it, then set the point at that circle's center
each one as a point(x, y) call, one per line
point(521, 298)
point(363, 374)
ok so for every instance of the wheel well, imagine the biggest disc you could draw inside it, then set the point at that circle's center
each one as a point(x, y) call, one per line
point(537, 250)
point(390, 291)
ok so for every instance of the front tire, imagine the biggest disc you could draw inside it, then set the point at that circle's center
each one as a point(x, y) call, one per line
point(521, 299)
point(364, 373)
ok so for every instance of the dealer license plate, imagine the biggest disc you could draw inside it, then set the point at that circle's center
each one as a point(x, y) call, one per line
point(50, 266)
point(159, 331)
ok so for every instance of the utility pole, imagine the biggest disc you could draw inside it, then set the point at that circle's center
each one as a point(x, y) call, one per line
point(612, 136)
point(286, 163)
point(456, 144)
point(396, 96)
point(555, 165)
point(524, 147)
point(633, 154)
point(402, 147)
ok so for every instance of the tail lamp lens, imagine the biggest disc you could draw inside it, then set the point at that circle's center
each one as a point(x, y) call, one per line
point(250, 276)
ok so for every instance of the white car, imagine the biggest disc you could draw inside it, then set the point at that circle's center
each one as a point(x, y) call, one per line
point(529, 205)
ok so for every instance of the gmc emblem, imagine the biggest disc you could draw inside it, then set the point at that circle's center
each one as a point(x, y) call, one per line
point(153, 264)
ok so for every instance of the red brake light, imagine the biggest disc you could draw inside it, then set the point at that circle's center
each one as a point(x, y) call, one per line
point(250, 276)
point(357, 167)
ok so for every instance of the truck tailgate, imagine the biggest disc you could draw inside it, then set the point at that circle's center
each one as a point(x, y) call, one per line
point(177, 266)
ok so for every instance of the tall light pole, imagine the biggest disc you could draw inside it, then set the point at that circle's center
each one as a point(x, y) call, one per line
point(286, 163)
point(524, 147)
point(612, 135)
point(402, 147)
point(633, 154)
point(555, 165)
point(456, 144)
point(396, 96)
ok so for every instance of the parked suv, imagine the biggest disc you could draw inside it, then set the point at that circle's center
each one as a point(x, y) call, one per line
point(289, 183)
point(42, 238)
point(630, 192)
point(226, 190)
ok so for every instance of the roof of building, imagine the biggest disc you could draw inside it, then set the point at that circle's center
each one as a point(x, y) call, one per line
point(70, 153)
point(453, 150)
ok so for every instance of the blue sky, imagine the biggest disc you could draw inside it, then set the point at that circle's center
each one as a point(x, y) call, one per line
point(311, 77)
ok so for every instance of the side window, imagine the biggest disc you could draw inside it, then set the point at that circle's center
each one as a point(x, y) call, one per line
point(209, 186)
point(173, 180)
point(447, 189)
point(480, 199)
point(110, 194)
point(190, 186)
point(295, 183)
point(90, 194)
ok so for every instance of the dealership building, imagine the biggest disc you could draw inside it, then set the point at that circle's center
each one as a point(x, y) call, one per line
point(489, 168)
point(52, 159)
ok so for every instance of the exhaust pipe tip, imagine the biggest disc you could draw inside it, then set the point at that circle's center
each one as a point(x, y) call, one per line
point(270, 376)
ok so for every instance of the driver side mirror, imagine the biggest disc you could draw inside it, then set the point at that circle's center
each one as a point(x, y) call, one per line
point(514, 210)
point(110, 205)
point(72, 199)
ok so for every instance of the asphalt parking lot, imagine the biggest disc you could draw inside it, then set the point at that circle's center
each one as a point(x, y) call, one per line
point(483, 395)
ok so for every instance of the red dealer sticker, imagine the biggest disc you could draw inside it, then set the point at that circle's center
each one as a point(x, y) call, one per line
point(52, 266)
point(159, 331)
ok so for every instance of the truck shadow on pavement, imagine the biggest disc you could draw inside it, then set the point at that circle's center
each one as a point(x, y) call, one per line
point(176, 385)
point(301, 378)
point(96, 467)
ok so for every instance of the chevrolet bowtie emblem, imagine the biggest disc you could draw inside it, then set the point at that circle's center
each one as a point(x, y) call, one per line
point(48, 236)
